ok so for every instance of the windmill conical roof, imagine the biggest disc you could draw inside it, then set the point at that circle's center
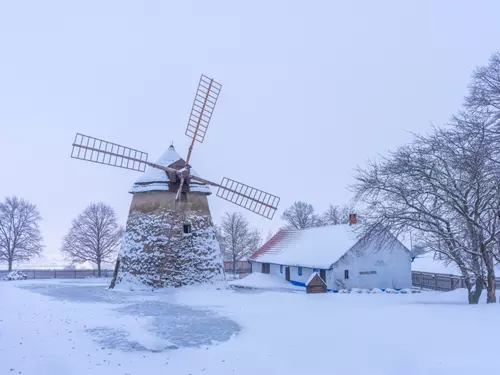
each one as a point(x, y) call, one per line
point(154, 179)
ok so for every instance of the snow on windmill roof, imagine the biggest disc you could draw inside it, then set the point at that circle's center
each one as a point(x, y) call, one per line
point(154, 179)
point(317, 247)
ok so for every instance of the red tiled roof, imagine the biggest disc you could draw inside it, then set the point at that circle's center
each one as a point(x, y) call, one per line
point(271, 244)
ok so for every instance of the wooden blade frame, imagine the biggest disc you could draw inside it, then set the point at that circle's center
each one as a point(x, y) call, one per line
point(103, 152)
point(252, 199)
point(203, 108)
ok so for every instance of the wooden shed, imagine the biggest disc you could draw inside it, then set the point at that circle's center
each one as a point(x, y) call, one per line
point(315, 284)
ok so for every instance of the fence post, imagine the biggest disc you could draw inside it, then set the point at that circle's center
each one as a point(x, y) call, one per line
point(55, 274)
point(421, 280)
point(435, 282)
point(75, 274)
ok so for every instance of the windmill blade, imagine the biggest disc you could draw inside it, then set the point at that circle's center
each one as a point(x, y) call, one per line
point(203, 108)
point(252, 199)
point(104, 152)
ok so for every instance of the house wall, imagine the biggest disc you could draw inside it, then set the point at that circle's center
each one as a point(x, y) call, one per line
point(391, 264)
point(295, 278)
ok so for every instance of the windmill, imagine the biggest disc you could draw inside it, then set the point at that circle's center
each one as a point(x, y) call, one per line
point(170, 196)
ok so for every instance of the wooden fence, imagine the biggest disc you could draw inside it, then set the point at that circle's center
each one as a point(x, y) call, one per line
point(439, 281)
point(60, 274)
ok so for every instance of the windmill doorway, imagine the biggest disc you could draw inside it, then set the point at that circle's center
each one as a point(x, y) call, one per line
point(287, 273)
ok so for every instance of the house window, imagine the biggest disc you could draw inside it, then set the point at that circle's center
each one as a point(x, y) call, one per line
point(281, 268)
point(346, 274)
point(187, 228)
point(300, 271)
point(266, 268)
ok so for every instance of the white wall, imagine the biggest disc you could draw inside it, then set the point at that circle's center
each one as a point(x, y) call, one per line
point(392, 264)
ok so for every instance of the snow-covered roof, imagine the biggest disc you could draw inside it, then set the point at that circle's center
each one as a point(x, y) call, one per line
point(318, 247)
point(313, 275)
point(154, 179)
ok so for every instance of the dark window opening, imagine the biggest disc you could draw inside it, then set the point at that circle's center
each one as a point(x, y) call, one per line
point(281, 269)
point(300, 271)
point(346, 274)
point(183, 196)
point(266, 268)
point(187, 228)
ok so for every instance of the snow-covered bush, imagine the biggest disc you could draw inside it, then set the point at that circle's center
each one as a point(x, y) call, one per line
point(15, 275)
point(377, 290)
point(391, 291)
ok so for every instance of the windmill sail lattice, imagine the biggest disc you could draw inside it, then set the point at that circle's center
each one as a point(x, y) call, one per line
point(104, 152)
point(203, 108)
point(250, 198)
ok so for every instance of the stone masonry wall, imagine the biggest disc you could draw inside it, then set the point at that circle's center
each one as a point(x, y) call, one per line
point(156, 251)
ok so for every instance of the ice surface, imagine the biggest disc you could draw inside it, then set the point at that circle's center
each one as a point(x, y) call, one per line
point(45, 330)
point(176, 326)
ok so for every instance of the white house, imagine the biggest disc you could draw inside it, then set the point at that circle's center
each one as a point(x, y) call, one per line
point(342, 260)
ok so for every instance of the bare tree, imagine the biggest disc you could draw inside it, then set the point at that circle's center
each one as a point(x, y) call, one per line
point(484, 93)
point(444, 188)
point(301, 215)
point(336, 215)
point(270, 235)
point(237, 240)
point(94, 236)
point(20, 238)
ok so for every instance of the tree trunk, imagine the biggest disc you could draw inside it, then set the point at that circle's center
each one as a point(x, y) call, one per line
point(99, 269)
point(476, 294)
point(490, 280)
point(491, 289)
point(234, 264)
point(10, 265)
point(115, 273)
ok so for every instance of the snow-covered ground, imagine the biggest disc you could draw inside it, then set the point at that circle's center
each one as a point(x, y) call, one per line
point(79, 327)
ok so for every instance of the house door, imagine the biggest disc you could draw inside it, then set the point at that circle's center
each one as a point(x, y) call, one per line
point(322, 274)
point(287, 273)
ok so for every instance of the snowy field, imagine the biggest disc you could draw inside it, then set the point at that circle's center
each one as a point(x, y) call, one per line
point(79, 327)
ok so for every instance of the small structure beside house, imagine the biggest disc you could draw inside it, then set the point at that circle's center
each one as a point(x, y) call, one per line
point(315, 284)
point(242, 266)
point(341, 259)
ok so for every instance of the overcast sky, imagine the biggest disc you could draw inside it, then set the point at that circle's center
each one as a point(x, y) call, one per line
point(310, 90)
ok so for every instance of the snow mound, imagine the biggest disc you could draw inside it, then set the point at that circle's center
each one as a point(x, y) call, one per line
point(264, 281)
point(15, 275)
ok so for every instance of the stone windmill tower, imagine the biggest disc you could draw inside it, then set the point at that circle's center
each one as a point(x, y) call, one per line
point(170, 237)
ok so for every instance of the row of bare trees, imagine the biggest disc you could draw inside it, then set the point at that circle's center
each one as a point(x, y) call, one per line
point(94, 235)
point(444, 187)
point(301, 215)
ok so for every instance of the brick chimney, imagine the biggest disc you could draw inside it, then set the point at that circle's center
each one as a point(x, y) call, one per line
point(352, 219)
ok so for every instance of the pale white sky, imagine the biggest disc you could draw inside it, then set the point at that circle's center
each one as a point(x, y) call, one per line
point(310, 90)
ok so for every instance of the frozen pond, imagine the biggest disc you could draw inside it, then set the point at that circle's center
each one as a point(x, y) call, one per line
point(180, 326)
